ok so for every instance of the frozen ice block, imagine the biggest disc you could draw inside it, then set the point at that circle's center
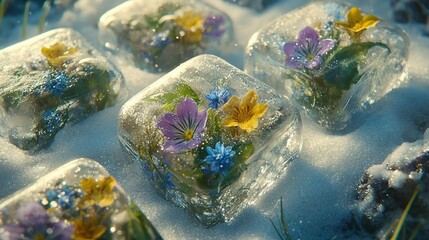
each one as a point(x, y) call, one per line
point(255, 4)
point(210, 137)
point(386, 189)
point(79, 200)
point(50, 80)
point(331, 59)
point(159, 35)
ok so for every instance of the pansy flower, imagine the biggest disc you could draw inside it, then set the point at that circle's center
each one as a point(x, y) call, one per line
point(308, 50)
point(33, 222)
point(356, 23)
point(184, 129)
point(218, 160)
point(244, 113)
point(213, 26)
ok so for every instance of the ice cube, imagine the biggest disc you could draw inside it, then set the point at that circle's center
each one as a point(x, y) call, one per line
point(50, 80)
point(210, 137)
point(332, 68)
point(79, 200)
point(159, 35)
point(386, 189)
point(255, 4)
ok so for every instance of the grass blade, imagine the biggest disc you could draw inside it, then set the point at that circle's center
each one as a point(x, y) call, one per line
point(25, 20)
point(45, 11)
point(404, 214)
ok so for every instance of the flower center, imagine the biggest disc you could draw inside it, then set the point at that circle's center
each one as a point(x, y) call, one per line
point(188, 135)
point(310, 57)
point(39, 237)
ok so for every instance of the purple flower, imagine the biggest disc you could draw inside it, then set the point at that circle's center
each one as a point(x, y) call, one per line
point(34, 223)
point(183, 130)
point(308, 51)
point(212, 26)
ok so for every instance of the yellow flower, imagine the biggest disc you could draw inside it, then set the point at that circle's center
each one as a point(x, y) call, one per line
point(88, 227)
point(244, 113)
point(98, 192)
point(192, 25)
point(58, 53)
point(356, 23)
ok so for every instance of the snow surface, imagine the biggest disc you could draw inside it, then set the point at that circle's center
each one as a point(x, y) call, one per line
point(318, 188)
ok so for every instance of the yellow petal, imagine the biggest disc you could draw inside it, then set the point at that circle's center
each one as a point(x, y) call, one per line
point(354, 16)
point(233, 103)
point(259, 110)
point(87, 184)
point(250, 125)
point(250, 99)
point(369, 21)
point(342, 24)
point(230, 122)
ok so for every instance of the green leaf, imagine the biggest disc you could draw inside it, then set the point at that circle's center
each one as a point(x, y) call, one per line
point(171, 99)
point(138, 226)
point(341, 70)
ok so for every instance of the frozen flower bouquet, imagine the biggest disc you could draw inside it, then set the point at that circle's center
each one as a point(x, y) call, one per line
point(80, 200)
point(205, 133)
point(160, 35)
point(50, 80)
point(334, 63)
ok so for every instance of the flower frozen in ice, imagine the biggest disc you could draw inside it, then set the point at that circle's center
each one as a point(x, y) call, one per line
point(89, 226)
point(218, 160)
point(98, 192)
point(213, 26)
point(183, 130)
point(33, 222)
point(57, 83)
point(308, 50)
point(218, 97)
point(191, 25)
point(356, 23)
point(53, 120)
point(58, 53)
point(65, 196)
point(244, 113)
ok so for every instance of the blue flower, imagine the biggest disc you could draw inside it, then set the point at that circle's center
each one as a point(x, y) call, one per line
point(218, 159)
point(56, 83)
point(218, 97)
point(65, 197)
point(160, 40)
point(53, 120)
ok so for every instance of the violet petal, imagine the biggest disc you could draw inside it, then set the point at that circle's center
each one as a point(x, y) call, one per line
point(308, 34)
point(325, 46)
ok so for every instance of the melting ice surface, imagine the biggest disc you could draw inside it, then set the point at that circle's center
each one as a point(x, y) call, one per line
point(318, 189)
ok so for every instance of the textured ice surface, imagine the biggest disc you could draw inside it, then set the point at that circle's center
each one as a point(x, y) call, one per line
point(386, 189)
point(331, 71)
point(79, 200)
point(214, 159)
point(162, 34)
point(50, 80)
point(255, 4)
